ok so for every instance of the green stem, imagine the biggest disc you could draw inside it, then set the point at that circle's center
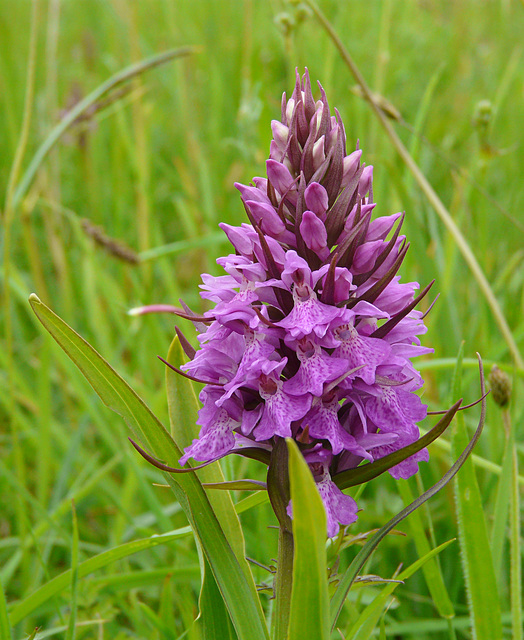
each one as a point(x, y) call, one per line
point(283, 585)
point(280, 494)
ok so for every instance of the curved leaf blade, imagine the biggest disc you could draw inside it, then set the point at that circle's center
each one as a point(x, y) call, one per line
point(237, 485)
point(245, 611)
point(183, 413)
point(5, 624)
point(419, 523)
point(369, 618)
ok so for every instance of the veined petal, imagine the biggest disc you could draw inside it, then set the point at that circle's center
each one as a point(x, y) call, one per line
point(316, 369)
point(340, 509)
point(280, 410)
point(359, 350)
point(217, 439)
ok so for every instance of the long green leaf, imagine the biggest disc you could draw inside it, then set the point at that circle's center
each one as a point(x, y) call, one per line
point(337, 601)
point(501, 511)
point(515, 548)
point(481, 583)
point(240, 597)
point(214, 618)
point(144, 578)
point(56, 631)
point(183, 414)
point(123, 76)
point(251, 501)
point(236, 485)
point(309, 616)
point(71, 626)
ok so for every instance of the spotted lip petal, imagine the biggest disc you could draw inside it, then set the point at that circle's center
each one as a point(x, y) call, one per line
point(313, 331)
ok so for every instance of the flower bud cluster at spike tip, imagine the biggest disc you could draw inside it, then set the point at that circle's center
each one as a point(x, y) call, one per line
point(312, 331)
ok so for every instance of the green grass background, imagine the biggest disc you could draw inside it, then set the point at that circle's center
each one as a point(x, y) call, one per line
point(155, 165)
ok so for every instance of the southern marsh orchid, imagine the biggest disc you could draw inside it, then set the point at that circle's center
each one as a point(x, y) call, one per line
point(312, 332)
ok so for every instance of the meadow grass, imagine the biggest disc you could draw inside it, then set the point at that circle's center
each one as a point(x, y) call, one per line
point(151, 166)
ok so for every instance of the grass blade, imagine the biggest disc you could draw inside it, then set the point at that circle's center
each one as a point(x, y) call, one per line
point(5, 627)
point(183, 413)
point(61, 582)
point(477, 561)
point(500, 514)
point(125, 75)
point(181, 246)
point(214, 619)
point(309, 615)
point(515, 552)
point(431, 569)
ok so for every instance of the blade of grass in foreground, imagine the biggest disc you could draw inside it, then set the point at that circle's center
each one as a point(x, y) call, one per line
point(239, 594)
point(515, 548)
point(481, 584)
point(183, 415)
point(71, 627)
point(121, 77)
point(431, 569)
point(309, 615)
point(214, 618)
point(180, 246)
point(500, 513)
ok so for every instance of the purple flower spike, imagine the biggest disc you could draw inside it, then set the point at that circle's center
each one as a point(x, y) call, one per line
point(312, 331)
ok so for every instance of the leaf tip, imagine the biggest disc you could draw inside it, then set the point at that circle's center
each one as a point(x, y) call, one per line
point(292, 446)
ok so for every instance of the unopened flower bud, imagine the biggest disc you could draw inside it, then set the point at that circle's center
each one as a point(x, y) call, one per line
point(483, 114)
point(285, 22)
point(500, 384)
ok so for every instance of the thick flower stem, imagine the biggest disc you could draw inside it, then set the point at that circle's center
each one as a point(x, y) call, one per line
point(283, 585)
